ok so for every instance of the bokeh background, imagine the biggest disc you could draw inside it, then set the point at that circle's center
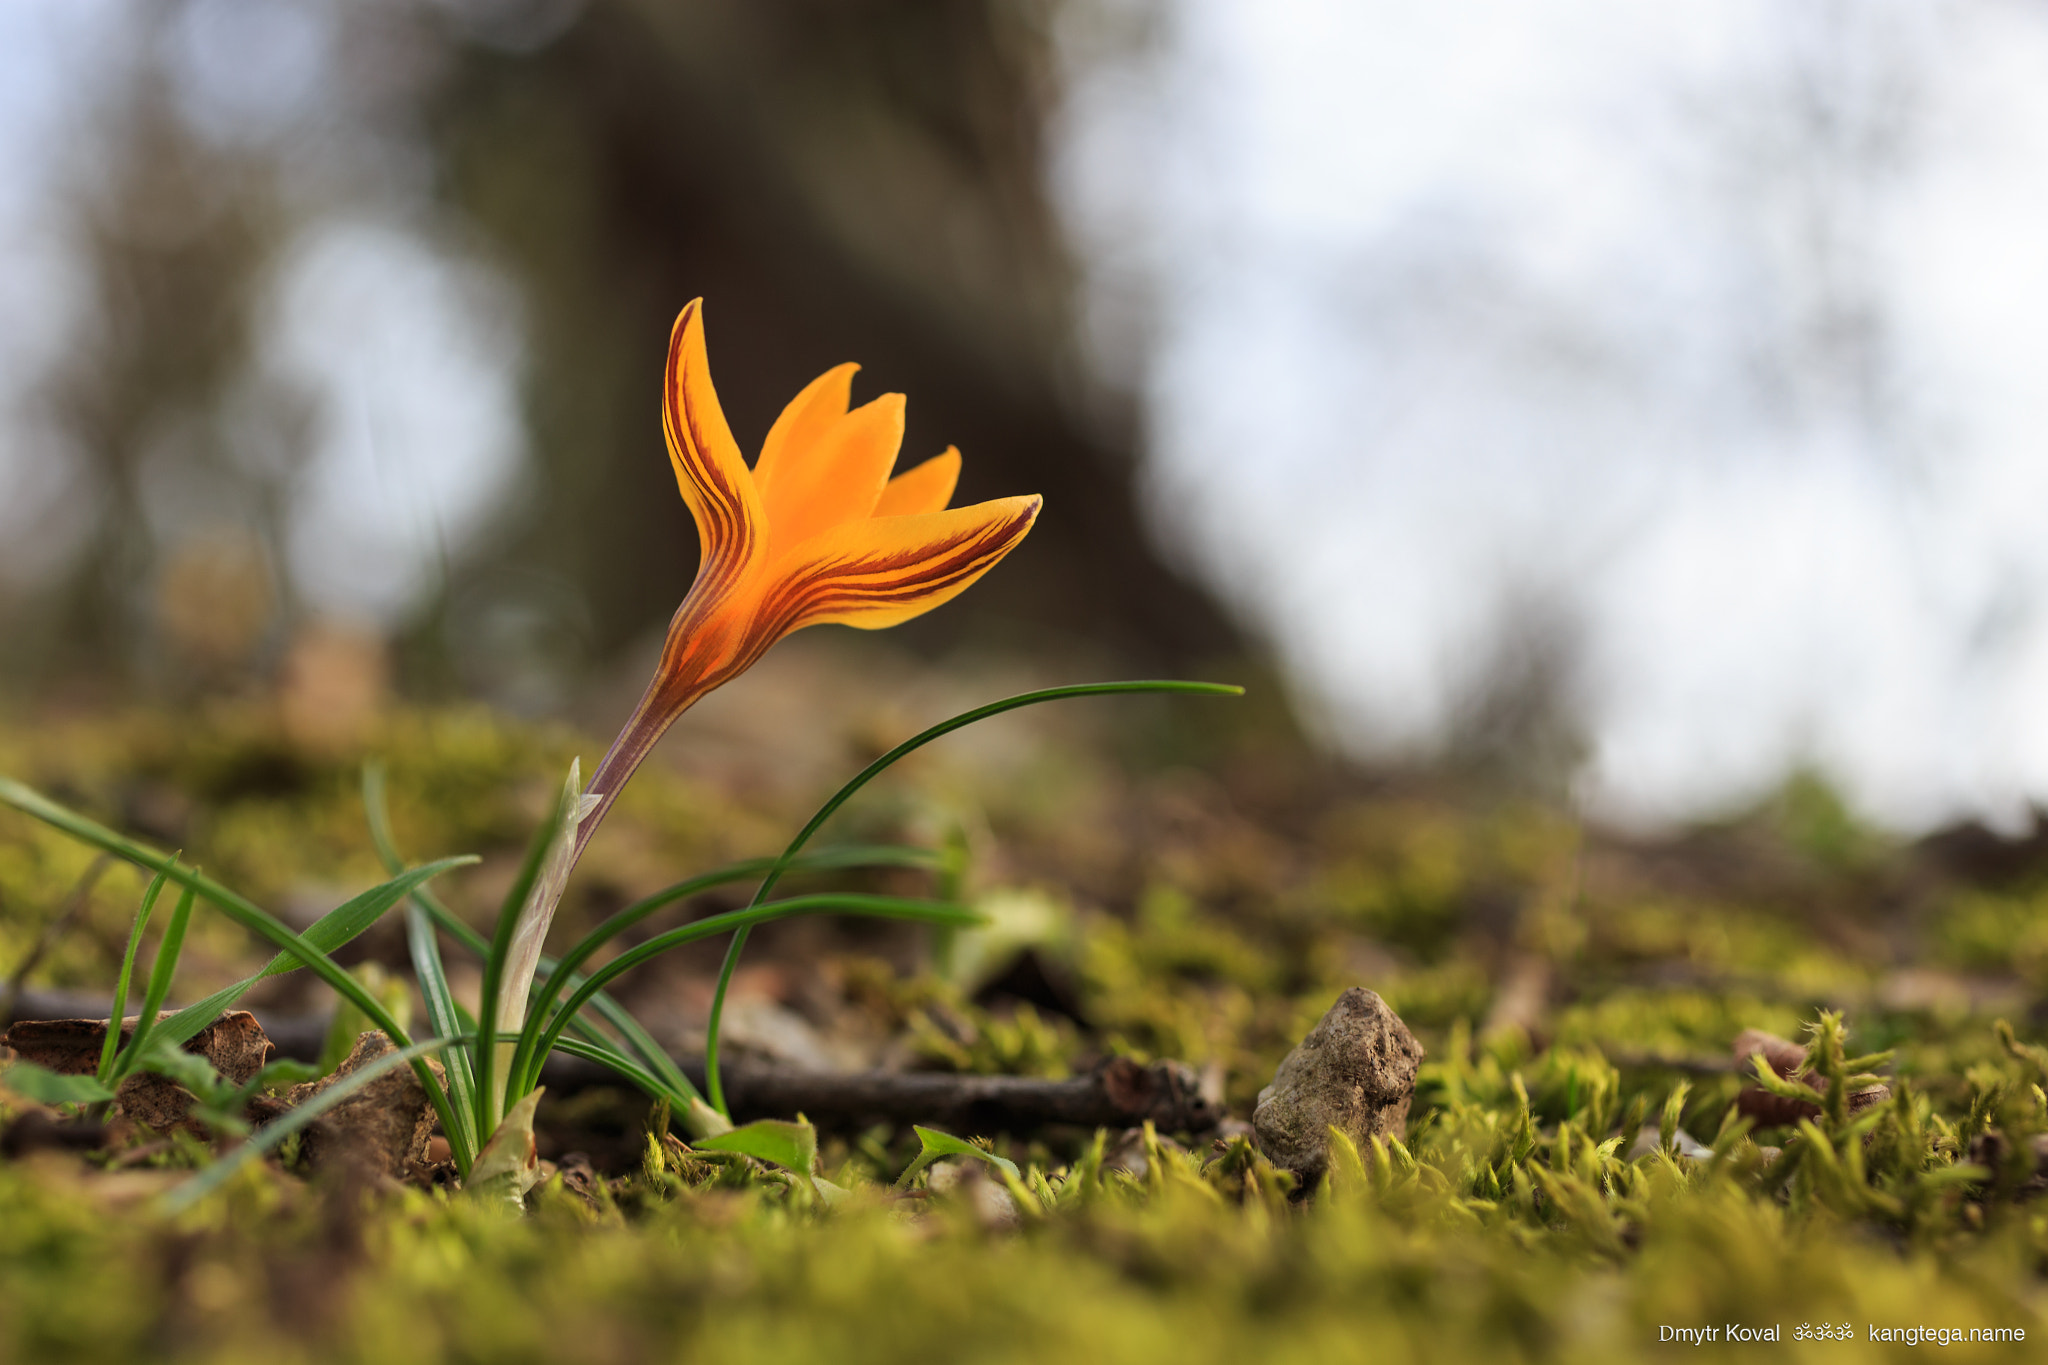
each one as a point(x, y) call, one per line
point(1643, 404)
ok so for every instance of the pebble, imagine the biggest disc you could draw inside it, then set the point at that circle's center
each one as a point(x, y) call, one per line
point(1354, 1072)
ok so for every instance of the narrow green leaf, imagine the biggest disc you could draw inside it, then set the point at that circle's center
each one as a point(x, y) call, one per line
point(702, 1121)
point(331, 931)
point(444, 1019)
point(650, 1084)
point(562, 973)
point(423, 944)
point(120, 1010)
point(880, 907)
point(47, 1087)
point(192, 1020)
point(937, 1145)
point(237, 908)
point(876, 769)
point(341, 924)
point(651, 1054)
point(189, 1069)
point(447, 1017)
point(161, 973)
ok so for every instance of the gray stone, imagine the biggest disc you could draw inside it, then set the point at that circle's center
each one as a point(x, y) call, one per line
point(1355, 1072)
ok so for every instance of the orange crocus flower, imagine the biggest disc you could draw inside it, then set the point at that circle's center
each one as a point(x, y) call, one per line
point(817, 531)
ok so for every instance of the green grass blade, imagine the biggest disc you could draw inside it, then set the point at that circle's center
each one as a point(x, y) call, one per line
point(563, 974)
point(650, 1084)
point(827, 860)
point(331, 931)
point(845, 903)
point(876, 769)
point(104, 1072)
point(652, 1055)
point(238, 908)
point(443, 1018)
point(161, 973)
point(184, 1196)
point(714, 1025)
point(45, 1086)
point(909, 746)
point(189, 1021)
point(341, 924)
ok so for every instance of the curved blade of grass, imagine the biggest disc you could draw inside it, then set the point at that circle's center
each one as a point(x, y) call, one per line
point(424, 947)
point(611, 1057)
point(426, 914)
point(161, 974)
point(238, 908)
point(651, 1054)
point(45, 1086)
point(443, 1019)
point(876, 769)
point(489, 1088)
point(844, 903)
point(332, 930)
point(449, 923)
point(113, 1040)
point(190, 1192)
point(563, 973)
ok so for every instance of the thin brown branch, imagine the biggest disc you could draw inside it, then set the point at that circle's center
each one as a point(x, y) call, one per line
point(1118, 1094)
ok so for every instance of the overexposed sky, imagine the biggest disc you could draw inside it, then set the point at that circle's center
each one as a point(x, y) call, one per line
point(1715, 334)
point(404, 354)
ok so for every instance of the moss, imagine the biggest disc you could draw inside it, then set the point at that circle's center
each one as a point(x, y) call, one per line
point(1500, 1236)
point(1513, 1223)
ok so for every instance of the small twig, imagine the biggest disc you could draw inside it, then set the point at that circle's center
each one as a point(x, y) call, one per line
point(1118, 1094)
point(52, 931)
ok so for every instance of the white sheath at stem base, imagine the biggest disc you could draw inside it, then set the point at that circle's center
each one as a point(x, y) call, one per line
point(523, 959)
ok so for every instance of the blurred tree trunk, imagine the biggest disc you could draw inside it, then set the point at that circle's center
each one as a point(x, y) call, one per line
point(840, 181)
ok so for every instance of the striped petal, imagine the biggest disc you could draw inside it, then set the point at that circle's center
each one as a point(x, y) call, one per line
point(880, 572)
point(927, 488)
point(714, 480)
point(832, 478)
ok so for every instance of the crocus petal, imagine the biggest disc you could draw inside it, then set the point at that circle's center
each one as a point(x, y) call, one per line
point(927, 488)
point(849, 544)
point(714, 480)
point(832, 479)
point(879, 572)
point(805, 419)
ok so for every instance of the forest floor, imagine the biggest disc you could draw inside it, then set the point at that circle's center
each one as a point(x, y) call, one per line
point(1162, 878)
